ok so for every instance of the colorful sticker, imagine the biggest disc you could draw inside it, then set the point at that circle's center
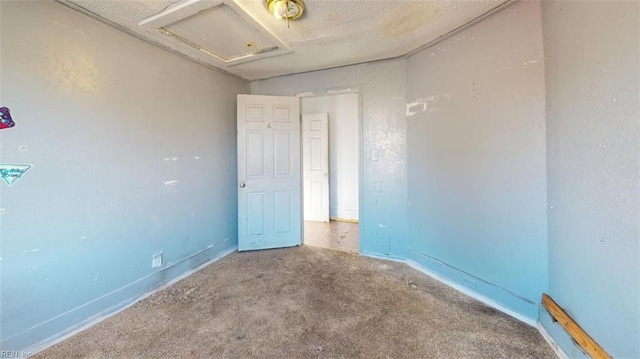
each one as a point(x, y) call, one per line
point(5, 118)
point(11, 173)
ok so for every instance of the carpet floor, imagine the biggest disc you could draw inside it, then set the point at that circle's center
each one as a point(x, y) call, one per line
point(306, 302)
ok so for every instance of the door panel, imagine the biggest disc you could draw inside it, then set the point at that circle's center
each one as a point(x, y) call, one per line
point(255, 213)
point(282, 114)
point(316, 167)
point(282, 153)
point(255, 154)
point(269, 182)
point(283, 211)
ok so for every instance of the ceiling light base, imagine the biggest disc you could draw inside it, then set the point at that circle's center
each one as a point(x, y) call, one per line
point(286, 9)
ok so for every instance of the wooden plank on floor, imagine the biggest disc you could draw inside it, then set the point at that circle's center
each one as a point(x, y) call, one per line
point(575, 331)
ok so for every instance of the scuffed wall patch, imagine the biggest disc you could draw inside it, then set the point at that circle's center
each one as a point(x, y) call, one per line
point(426, 104)
point(73, 69)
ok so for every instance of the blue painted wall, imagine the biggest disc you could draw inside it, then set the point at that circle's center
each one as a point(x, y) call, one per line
point(133, 152)
point(479, 129)
point(476, 159)
point(383, 195)
point(460, 186)
point(593, 131)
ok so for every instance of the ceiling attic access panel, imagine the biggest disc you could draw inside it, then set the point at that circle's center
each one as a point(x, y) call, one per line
point(221, 29)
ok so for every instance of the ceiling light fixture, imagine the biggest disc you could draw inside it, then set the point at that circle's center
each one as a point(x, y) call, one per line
point(286, 9)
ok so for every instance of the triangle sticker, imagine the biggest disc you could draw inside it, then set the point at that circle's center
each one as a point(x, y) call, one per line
point(11, 173)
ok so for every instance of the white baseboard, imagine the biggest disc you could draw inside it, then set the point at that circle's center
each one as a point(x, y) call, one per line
point(459, 288)
point(552, 343)
point(488, 301)
point(345, 213)
point(118, 308)
point(32, 350)
point(387, 258)
point(340, 219)
point(536, 324)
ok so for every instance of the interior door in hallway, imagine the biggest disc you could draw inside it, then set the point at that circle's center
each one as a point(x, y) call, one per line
point(269, 183)
point(315, 164)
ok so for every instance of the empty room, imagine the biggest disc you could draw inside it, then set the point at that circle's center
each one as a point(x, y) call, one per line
point(320, 179)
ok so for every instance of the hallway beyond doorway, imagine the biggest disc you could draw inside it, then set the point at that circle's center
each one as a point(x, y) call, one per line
point(339, 235)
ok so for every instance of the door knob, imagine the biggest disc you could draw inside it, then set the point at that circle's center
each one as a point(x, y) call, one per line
point(243, 185)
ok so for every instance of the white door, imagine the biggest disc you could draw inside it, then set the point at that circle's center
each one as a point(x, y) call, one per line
point(315, 154)
point(269, 193)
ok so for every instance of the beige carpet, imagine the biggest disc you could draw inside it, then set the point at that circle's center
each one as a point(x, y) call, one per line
point(306, 302)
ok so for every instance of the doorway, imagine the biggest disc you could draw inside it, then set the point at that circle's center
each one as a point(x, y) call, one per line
point(336, 225)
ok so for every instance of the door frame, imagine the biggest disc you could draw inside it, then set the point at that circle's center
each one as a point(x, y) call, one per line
point(308, 172)
point(353, 89)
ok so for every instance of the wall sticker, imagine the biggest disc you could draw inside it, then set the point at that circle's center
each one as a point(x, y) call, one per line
point(5, 118)
point(11, 173)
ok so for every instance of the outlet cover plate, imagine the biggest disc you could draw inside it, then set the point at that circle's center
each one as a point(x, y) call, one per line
point(157, 260)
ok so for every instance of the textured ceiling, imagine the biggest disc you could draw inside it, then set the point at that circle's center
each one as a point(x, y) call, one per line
point(331, 33)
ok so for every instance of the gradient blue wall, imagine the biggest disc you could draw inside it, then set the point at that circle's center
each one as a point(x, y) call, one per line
point(461, 178)
point(476, 159)
point(133, 153)
point(593, 132)
point(383, 194)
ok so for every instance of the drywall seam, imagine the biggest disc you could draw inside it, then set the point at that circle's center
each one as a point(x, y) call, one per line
point(113, 310)
point(472, 294)
point(89, 13)
point(457, 287)
point(478, 278)
point(552, 343)
point(119, 289)
point(547, 337)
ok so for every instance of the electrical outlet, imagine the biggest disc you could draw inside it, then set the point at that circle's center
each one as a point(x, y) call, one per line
point(157, 260)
